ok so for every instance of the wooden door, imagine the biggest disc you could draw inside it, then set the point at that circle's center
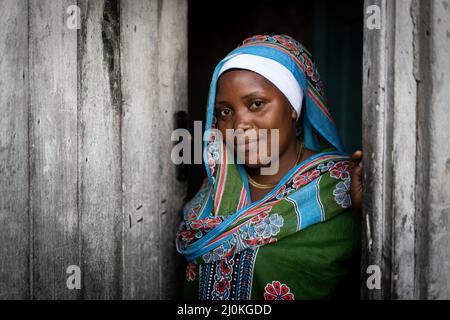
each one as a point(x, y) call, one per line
point(85, 171)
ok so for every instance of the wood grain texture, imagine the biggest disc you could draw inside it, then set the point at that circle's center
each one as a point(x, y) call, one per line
point(14, 173)
point(403, 153)
point(53, 149)
point(433, 176)
point(439, 179)
point(154, 42)
point(172, 99)
point(374, 137)
point(67, 196)
point(406, 191)
point(99, 150)
point(141, 247)
point(390, 98)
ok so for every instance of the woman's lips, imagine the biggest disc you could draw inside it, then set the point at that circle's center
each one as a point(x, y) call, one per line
point(247, 145)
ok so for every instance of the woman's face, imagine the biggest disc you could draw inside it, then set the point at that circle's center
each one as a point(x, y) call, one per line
point(248, 102)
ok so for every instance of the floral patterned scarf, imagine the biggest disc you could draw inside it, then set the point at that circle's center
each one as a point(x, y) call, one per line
point(299, 241)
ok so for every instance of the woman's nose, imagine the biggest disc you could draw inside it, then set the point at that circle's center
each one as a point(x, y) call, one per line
point(243, 120)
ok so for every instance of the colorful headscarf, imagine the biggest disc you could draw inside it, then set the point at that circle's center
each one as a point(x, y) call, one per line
point(317, 122)
point(221, 222)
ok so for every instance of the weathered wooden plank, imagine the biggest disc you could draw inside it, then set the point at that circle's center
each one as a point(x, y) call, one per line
point(14, 173)
point(433, 195)
point(375, 224)
point(390, 95)
point(140, 135)
point(53, 148)
point(439, 165)
point(172, 98)
point(407, 193)
point(99, 152)
point(402, 179)
point(153, 38)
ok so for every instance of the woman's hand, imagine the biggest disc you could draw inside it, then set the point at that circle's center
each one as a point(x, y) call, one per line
point(356, 187)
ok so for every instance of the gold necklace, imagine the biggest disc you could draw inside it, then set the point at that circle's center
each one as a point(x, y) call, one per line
point(261, 186)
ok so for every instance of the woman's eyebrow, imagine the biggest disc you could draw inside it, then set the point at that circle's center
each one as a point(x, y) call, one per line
point(246, 97)
point(220, 102)
point(252, 95)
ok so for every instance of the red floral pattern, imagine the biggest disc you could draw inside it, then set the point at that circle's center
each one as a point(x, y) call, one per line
point(304, 179)
point(260, 217)
point(225, 267)
point(288, 44)
point(341, 170)
point(255, 39)
point(205, 224)
point(191, 271)
point(310, 70)
point(260, 241)
point(192, 216)
point(188, 235)
point(222, 286)
point(277, 291)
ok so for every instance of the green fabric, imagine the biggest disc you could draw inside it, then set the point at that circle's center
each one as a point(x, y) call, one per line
point(319, 262)
point(315, 262)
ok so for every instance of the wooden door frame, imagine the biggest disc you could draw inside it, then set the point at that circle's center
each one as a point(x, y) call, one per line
point(406, 152)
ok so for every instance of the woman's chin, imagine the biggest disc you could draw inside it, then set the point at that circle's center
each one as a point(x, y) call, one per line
point(252, 163)
point(253, 166)
point(249, 159)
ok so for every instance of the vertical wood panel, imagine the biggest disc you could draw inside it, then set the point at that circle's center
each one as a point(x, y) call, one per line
point(374, 136)
point(53, 138)
point(14, 197)
point(99, 157)
point(76, 146)
point(439, 166)
point(173, 98)
point(407, 193)
point(403, 183)
point(433, 196)
point(153, 39)
point(390, 95)
point(139, 36)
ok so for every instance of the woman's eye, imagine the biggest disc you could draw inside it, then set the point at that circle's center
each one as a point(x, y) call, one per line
point(257, 104)
point(225, 112)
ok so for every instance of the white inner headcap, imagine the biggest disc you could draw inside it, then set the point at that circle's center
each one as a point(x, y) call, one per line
point(273, 71)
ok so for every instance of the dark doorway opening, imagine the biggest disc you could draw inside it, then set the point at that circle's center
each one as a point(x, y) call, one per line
point(331, 30)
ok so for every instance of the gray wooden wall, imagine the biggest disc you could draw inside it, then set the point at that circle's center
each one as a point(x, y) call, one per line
point(406, 141)
point(85, 124)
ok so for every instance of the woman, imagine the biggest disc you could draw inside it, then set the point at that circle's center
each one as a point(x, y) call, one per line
point(292, 234)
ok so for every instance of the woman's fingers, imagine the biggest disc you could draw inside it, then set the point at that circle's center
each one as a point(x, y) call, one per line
point(357, 156)
point(356, 187)
point(357, 177)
